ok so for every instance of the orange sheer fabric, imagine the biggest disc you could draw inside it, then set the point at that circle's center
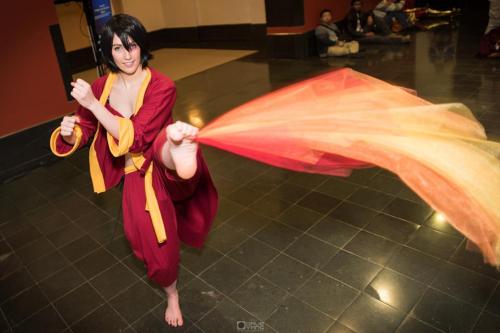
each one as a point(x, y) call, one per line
point(345, 120)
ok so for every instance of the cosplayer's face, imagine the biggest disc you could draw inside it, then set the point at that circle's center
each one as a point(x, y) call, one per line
point(326, 17)
point(128, 61)
point(357, 6)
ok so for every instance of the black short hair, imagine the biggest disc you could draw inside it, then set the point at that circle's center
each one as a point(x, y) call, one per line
point(124, 26)
point(324, 11)
point(354, 1)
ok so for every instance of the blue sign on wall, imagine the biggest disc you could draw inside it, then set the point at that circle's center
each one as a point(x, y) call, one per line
point(101, 9)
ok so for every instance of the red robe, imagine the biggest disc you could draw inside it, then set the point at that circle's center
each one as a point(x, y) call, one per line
point(159, 208)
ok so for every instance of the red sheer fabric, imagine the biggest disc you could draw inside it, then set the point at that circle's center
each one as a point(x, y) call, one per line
point(345, 120)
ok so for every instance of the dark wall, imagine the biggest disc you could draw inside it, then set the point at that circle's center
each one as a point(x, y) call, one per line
point(284, 13)
point(32, 90)
point(281, 21)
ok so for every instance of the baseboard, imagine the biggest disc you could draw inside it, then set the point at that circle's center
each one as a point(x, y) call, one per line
point(297, 45)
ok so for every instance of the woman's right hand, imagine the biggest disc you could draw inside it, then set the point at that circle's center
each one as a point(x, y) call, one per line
point(68, 129)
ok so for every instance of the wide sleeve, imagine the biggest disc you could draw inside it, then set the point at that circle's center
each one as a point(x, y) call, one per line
point(84, 129)
point(137, 134)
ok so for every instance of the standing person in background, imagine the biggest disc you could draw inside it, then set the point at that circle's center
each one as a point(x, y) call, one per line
point(328, 38)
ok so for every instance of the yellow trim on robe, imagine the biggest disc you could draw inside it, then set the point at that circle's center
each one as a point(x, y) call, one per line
point(130, 168)
point(138, 160)
point(95, 169)
point(153, 207)
point(57, 132)
point(142, 91)
point(125, 137)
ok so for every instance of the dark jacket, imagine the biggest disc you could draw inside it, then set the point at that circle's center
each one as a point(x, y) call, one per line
point(351, 23)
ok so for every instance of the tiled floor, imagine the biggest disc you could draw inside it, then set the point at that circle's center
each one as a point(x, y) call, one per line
point(288, 252)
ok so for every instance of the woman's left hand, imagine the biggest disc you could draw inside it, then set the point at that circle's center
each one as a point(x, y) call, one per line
point(83, 94)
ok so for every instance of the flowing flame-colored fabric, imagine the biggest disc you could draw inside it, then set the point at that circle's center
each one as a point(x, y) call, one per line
point(345, 120)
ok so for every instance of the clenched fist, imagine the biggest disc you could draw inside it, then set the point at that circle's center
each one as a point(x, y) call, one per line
point(68, 129)
point(83, 94)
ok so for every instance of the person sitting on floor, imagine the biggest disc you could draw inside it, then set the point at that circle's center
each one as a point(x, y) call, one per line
point(392, 12)
point(328, 38)
point(368, 28)
point(490, 42)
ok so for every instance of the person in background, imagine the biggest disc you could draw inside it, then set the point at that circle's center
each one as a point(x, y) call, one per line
point(490, 41)
point(368, 28)
point(392, 12)
point(328, 38)
point(494, 16)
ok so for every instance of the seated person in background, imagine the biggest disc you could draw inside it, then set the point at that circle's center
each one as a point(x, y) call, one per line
point(328, 38)
point(490, 42)
point(366, 27)
point(392, 12)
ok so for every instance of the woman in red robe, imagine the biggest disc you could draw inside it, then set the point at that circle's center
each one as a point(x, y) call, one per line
point(168, 195)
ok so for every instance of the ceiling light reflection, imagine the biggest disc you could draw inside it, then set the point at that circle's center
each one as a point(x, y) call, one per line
point(384, 295)
point(440, 218)
point(195, 118)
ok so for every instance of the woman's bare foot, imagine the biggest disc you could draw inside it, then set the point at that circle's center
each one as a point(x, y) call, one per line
point(183, 148)
point(173, 314)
